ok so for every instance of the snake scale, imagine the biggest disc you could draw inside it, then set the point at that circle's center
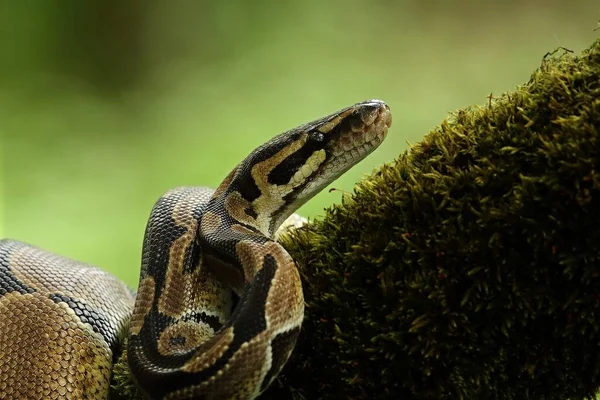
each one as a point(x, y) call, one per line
point(219, 303)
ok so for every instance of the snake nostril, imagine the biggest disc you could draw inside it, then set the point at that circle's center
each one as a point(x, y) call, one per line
point(369, 114)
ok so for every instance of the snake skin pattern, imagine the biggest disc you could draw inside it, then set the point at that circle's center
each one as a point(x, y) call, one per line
point(219, 303)
point(61, 321)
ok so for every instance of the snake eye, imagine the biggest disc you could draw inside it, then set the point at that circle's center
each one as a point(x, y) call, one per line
point(316, 137)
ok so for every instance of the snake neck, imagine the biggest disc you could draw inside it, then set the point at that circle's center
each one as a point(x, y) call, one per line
point(234, 237)
point(268, 312)
point(247, 206)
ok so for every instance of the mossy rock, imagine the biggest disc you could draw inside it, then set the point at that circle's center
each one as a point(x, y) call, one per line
point(469, 267)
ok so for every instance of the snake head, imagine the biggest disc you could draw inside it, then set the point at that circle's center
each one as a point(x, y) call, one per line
point(282, 174)
point(334, 144)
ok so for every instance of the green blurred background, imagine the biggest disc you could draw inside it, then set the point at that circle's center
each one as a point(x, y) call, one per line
point(104, 105)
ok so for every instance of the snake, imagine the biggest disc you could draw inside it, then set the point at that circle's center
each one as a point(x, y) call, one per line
point(219, 303)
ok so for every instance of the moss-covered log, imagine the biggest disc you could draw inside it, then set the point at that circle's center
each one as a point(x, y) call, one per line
point(469, 267)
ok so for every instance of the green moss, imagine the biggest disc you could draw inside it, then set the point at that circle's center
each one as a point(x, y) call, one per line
point(468, 268)
point(122, 386)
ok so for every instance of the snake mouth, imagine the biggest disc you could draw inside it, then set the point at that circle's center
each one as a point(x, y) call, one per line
point(362, 131)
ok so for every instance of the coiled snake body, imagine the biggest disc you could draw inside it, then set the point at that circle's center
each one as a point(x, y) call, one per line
point(219, 304)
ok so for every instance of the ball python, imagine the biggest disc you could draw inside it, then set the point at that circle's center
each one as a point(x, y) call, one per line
point(219, 303)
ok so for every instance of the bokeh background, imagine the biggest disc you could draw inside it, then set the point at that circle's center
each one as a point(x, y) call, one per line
point(105, 104)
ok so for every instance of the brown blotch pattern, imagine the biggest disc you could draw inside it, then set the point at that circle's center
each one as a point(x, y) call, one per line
point(242, 230)
point(286, 288)
point(183, 336)
point(238, 380)
point(236, 205)
point(144, 301)
point(184, 291)
point(177, 288)
point(242, 376)
point(252, 254)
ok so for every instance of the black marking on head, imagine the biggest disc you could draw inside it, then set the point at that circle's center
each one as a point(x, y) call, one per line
point(246, 187)
point(281, 347)
point(88, 314)
point(243, 181)
point(8, 282)
point(282, 173)
point(251, 212)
